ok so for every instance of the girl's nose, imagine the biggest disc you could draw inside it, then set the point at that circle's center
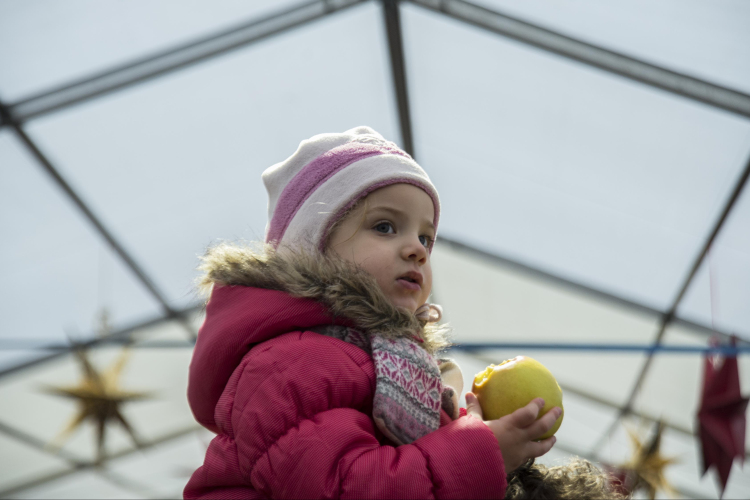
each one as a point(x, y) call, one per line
point(414, 250)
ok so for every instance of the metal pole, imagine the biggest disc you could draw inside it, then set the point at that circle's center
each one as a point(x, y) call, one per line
point(591, 55)
point(174, 59)
point(119, 249)
point(398, 71)
point(554, 279)
point(669, 316)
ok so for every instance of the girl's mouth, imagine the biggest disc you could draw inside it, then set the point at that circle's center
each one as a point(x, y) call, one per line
point(409, 284)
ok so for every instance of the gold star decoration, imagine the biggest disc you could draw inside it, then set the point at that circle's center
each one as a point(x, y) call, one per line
point(99, 399)
point(648, 464)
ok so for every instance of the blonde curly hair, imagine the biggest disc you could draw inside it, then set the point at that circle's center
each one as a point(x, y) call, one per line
point(579, 479)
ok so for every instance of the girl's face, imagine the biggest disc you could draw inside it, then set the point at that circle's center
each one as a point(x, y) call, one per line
point(390, 240)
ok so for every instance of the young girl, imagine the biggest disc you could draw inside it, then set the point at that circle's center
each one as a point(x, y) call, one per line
point(316, 365)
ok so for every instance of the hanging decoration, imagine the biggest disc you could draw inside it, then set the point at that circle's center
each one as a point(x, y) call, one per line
point(104, 323)
point(100, 399)
point(645, 470)
point(721, 416)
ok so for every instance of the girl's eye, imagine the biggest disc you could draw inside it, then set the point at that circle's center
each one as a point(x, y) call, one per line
point(384, 227)
point(425, 240)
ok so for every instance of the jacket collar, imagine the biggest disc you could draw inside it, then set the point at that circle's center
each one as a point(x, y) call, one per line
point(258, 295)
point(347, 292)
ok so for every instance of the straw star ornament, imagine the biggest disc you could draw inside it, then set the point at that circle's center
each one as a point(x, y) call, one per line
point(647, 465)
point(100, 399)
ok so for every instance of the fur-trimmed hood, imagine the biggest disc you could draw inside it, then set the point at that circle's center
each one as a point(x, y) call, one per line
point(345, 290)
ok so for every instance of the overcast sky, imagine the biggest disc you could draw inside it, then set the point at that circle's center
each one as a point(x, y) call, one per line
point(559, 166)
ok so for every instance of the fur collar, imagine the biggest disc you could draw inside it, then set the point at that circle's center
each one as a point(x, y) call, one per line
point(346, 290)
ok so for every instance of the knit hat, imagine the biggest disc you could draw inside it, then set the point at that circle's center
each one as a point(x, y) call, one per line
point(312, 189)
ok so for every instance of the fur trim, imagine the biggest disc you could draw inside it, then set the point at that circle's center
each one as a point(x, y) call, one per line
point(346, 290)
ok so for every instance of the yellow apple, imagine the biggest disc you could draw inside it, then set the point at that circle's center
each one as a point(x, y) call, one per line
point(514, 383)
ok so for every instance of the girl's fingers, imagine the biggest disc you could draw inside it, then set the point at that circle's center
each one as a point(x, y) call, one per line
point(524, 417)
point(544, 423)
point(472, 406)
point(537, 449)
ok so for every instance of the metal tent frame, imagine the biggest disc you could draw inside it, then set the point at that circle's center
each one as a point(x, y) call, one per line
point(17, 114)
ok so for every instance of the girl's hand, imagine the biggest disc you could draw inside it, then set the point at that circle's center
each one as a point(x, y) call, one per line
point(516, 433)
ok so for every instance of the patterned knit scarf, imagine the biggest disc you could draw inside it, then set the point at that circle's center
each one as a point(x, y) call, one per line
point(408, 391)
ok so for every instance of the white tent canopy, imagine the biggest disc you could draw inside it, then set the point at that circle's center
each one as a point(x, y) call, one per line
point(588, 156)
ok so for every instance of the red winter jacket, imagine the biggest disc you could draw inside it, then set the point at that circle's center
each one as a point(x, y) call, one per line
point(292, 412)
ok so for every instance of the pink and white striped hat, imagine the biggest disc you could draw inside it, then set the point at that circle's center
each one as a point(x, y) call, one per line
point(312, 189)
